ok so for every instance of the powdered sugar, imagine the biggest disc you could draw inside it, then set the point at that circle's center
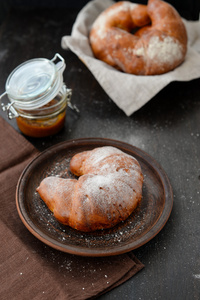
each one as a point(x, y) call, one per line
point(138, 52)
point(106, 195)
point(100, 185)
point(167, 50)
point(164, 50)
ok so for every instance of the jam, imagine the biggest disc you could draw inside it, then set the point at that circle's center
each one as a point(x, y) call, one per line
point(41, 127)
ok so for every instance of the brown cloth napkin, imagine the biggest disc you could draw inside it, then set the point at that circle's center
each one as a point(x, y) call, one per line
point(33, 270)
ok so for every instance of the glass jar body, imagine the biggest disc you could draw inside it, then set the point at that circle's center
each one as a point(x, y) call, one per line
point(46, 120)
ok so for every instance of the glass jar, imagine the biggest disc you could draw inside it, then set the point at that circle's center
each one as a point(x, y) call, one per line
point(37, 96)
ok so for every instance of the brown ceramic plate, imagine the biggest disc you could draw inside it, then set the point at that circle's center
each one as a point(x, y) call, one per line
point(144, 223)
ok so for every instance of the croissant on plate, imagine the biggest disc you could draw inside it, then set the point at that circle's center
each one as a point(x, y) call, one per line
point(108, 189)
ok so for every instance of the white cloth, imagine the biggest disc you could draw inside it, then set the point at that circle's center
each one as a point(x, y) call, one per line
point(129, 92)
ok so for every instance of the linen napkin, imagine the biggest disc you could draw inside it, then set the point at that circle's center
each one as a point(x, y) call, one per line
point(33, 270)
point(129, 92)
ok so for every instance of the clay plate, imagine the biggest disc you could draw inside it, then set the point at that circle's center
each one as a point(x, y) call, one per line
point(144, 223)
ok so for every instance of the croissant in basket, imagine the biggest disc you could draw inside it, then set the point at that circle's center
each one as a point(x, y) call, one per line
point(140, 39)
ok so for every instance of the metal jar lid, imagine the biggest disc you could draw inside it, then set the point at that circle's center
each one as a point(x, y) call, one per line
point(34, 83)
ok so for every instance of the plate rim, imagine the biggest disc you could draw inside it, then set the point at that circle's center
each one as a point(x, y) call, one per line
point(154, 230)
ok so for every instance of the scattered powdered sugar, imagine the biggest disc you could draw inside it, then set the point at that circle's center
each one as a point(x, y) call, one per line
point(166, 51)
point(107, 189)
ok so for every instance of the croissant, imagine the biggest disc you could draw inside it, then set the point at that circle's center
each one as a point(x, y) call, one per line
point(140, 39)
point(107, 191)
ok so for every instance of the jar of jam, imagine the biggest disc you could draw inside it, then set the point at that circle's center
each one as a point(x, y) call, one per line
point(37, 96)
